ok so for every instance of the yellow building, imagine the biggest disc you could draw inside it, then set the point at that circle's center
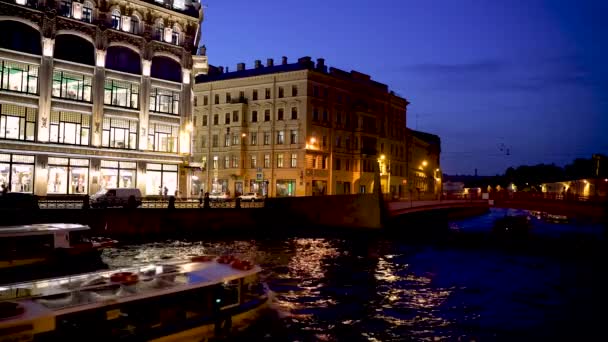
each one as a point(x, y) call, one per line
point(296, 129)
point(97, 94)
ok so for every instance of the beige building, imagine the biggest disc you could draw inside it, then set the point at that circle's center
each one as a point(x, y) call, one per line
point(97, 94)
point(424, 172)
point(296, 129)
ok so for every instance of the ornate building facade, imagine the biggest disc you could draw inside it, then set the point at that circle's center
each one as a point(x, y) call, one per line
point(97, 94)
point(297, 129)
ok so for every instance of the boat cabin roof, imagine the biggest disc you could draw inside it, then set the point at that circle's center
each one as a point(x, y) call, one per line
point(40, 229)
point(153, 280)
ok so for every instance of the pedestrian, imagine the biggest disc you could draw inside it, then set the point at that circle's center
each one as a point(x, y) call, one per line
point(4, 189)
point(165, 191)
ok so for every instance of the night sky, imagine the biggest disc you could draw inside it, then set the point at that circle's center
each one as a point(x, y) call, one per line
point(486, 76)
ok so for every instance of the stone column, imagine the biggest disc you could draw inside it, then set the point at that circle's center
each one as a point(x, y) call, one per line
point(45, 88)
point(186, 129)
point(98, 96)
point(144, 104)
point(40, 179)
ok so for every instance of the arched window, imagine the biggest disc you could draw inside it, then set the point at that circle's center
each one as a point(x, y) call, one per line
point(65, 8)
point(135, 22)
point(175, 38)
point(87, 12)
point(116, 19)
point(159, 29)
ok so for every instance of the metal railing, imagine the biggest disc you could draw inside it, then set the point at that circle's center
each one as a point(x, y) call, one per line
point(180, 203)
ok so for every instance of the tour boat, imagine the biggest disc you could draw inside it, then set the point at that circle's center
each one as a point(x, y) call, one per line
point(192, 300)
point(47, 243)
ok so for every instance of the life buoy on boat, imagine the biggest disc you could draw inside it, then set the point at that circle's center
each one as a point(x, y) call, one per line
point(225, 259)
point(242, 265)
point(127, 278)
point(202, 258)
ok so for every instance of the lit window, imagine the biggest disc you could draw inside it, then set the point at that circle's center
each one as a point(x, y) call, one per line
point(162, 138)
point(17, 122)
point(70, 128)
point(116, 19)
point(87, 12)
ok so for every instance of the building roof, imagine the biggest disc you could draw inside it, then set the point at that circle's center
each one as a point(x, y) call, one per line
point(427, 137)
point(216, 75)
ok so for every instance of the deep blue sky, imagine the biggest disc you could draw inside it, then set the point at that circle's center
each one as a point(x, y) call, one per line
point(528, 75)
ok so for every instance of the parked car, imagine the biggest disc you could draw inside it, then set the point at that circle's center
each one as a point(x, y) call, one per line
point(118, 197)
point(252, 197)
point(219, 196)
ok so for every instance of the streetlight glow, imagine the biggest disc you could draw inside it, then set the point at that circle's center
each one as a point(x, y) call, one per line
point(424, 163)
point(189, 127)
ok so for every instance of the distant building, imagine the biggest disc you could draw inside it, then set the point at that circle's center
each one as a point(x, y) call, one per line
point(424, 171)
point(296, 129)
point(96, 94)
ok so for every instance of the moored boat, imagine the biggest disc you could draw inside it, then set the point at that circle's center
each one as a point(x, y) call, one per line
point(173, 301)
point(47, 243)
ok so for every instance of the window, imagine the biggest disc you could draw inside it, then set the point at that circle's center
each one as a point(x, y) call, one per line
point(87, 12)
point(254, 138)
point(325, 115)
point(162, 179)
point(338, 141)
point(163, 138)
point(228, 99)
point(280, 114)
point(235, 116)
point(216, 119)
point(339, 118)
point(315, 91)
point(347, 120)
point(338, 164)
point(254, 116)
point(204, 141)
point(235, 161)
point(65, 9)
point(226, 162)
point(205, 100)
point(175, 35)
point(293, 137)
point(67, 176)
point(217, 99)
point(324, 141)
point(347, 142)
point(226, 140)
point(325, 92)
point(241, 95)
point(215, 140)
point(227, 118)
point(18, 171)
point(70, 128)
point(204, 120)
point(255, 95)
point(294, 90)
point(119, 133)
point(280, 137)
point(294, 113)
point(267, 115)
point(294, 160)
point(347, 165)
point(281, 92)
point(253, 161)
point(267, 93)
point(19, 77)
point(323, 163)
point(235, 139)
point(204, 163)
point(314, 162)
point(315, 114)
point(266, 138)
point(267, 161)
point(17, 122)
point(135, 24)
point(279, 159)
point(164, 101)
point(121, 94)
point(72, 86)
point(215, 163)
point(116, 19)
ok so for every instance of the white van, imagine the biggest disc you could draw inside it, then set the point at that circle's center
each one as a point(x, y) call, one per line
point(118, 197)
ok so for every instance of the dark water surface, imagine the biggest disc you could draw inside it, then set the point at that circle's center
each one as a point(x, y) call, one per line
point(386, 289)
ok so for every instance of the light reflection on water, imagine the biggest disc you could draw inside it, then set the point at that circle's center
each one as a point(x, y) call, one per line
point(384, 290)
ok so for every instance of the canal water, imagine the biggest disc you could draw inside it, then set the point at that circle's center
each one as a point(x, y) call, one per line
point(387, 289)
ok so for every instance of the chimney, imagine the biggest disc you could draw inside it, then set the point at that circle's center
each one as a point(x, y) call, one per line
point(221, 69)
point(284, 60)
point(321, 65)
point(258, 63)
point(305, 60)
point(240, 67)
point(269, 62)
point(226, 69)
